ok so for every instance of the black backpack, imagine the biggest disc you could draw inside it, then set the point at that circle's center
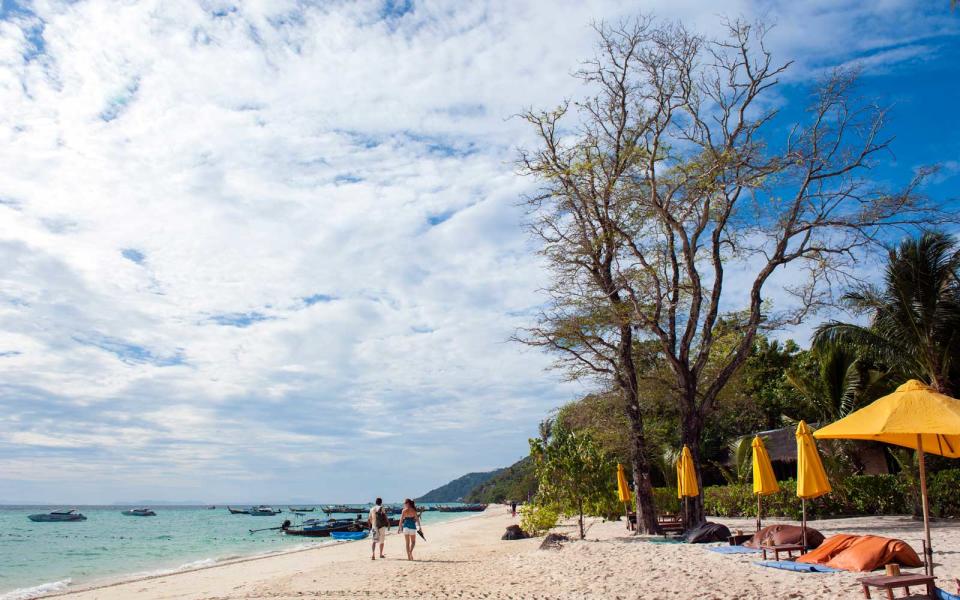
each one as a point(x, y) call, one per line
point(382, 520)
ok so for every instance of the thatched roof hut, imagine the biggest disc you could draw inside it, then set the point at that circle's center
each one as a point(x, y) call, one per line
point(782, 446)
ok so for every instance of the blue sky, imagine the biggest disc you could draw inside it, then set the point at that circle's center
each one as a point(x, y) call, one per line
point(272, 251)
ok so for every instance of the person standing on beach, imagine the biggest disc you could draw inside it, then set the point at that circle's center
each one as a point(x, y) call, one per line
point(513, 508)
point(409, 524)
point(379, 523)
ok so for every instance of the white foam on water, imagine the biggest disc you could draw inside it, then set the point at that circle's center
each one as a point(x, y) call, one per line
point(36, 591)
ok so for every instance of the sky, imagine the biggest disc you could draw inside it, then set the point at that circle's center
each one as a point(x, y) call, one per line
point(273, 251)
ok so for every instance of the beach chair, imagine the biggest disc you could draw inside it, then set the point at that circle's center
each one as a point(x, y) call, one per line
point(671, 524)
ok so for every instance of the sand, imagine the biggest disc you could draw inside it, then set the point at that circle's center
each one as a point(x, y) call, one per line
point(466, 559)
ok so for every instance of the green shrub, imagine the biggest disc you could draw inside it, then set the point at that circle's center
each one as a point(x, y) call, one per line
point(665, 500)
point(855, 495)
point(875, 495)
point(536, 519)
point(944, 491)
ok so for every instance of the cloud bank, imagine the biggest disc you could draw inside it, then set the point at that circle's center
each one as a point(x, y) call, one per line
point(272, 250)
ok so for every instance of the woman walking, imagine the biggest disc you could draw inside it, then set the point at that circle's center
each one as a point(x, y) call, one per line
point(409, 524)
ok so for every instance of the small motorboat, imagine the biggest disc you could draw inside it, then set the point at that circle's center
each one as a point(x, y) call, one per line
point(238, 511)
point(319, 528)
point(301, 509)
point(211, 507)
point(348, 535)
point(138, 512)
point(463, 508)
point(344, 509)
point(57, 516)
point(263, 511)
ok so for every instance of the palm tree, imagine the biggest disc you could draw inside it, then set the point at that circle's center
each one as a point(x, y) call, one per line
point(740, 468)
point(836, 382)
point(914, 316)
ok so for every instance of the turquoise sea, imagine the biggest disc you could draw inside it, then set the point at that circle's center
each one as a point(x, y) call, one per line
point(38, 558)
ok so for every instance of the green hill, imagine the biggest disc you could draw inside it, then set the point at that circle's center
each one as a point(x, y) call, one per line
point(516, 482)
point(457, 489)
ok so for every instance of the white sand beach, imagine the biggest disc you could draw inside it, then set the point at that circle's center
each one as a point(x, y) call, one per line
point(466, 559)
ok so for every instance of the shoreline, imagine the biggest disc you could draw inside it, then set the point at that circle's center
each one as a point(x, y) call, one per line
point(466, 559)
point(133, 578)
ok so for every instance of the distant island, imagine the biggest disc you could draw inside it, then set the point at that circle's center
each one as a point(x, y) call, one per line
point(515, 482)
point(458, 489)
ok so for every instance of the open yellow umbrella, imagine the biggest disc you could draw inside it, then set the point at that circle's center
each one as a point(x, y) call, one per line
point(764, 481)
point(914, 416)
point(623, 491)
point(811, 478)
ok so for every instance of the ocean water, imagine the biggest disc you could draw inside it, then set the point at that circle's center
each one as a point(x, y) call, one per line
point(38, 558)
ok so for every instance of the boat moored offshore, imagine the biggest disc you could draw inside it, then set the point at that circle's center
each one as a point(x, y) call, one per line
point(58, 516)
point(138, 512)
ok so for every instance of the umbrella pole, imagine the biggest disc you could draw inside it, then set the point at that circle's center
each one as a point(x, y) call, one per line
point(928, 559)
point(803, 522)
point(758, 512)
point(626, 514)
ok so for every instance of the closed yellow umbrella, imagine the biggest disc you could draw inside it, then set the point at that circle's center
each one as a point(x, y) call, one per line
point(623, 491)
point(686, 480)
point(914, 416)
point(688, 475)
point(811, 478)
point(679, 478)
point(764, 481)
point(623, 487)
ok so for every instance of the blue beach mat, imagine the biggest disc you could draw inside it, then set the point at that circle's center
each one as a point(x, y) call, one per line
point(733, 550)
point(789, 565)
point(942, 595)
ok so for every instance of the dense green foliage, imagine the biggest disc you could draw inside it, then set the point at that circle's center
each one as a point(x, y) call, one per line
point(459, 488)
point(518, 482)
point(573, 473)
point(853, 495)
point(536, 519)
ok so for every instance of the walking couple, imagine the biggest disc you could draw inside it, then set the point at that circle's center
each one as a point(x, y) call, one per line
point(380, 522)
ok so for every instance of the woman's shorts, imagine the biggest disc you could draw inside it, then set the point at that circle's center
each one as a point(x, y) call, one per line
point(409, 531)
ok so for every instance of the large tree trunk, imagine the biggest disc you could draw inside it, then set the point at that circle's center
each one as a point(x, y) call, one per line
point(643, 487)
point(691, 433)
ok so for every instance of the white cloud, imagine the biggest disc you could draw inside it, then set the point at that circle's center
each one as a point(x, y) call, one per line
point(185, 176)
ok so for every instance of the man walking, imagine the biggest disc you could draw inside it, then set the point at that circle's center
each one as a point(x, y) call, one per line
point(379, 523)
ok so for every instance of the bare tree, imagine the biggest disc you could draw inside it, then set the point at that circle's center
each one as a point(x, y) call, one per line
point(576, 215)
point(669, 174)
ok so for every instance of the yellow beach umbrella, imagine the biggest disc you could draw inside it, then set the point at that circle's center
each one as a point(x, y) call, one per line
point(764, 481)
point(680, 478)
point(687, 474)
point(686, 479)
point(623, 487)
point(914, 416)
point(811, 478)
point(623, 492)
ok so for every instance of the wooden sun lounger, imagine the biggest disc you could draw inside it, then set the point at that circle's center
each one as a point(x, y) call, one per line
point(667, 523)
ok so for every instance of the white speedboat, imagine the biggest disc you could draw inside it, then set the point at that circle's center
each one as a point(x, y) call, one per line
point(57, 516)
point(139, 512)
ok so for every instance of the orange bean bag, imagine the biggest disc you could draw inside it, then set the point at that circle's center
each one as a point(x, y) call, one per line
point(861, 553)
